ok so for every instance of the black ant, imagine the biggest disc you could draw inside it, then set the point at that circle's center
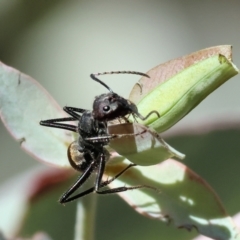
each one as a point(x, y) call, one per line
point(88, 155)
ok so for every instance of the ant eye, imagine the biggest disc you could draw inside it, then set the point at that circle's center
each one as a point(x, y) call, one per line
point(106, 108)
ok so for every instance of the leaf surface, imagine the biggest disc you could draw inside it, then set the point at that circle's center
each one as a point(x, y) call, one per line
point(181, 196)
point(23, 103)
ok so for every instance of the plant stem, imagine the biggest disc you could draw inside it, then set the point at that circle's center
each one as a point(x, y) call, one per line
point(85, 218)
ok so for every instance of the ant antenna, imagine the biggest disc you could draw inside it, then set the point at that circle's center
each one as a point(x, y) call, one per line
point(93, 76)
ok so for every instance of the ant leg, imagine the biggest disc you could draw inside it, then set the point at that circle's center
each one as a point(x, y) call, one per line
point(125, 119)
point(54, 123)
point(101, 168)
point(85, 175)
point(110, 191)
point(100, 162)
point(72, 111)
point(92, 189)
point(98, 186)
point(104, 184)
point(108, 137)
point(149, 114)
point(124, 189)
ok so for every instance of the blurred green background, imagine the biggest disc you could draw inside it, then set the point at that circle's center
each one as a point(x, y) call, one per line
point(60, 42)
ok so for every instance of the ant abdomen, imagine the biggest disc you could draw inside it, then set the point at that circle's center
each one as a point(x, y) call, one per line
point(75, 157)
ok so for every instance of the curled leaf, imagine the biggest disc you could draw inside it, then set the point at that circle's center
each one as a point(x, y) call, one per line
point(175, 97)
point(167, 70)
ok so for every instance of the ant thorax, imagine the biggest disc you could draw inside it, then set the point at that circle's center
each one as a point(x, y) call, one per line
point(88, 126)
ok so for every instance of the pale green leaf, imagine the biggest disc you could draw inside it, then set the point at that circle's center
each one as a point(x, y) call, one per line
point(175, 97)
point(23, 103)
point(167, 70)
point(182, 197)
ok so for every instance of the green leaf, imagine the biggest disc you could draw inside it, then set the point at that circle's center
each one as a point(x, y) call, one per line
point(175, 97)
point(23, 103)
point(182, 197)
point(167, 70)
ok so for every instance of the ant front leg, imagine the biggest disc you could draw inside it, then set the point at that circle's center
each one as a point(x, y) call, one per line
point(55, 123)
point(73, 111)
point(108, 137)
point(148, 115)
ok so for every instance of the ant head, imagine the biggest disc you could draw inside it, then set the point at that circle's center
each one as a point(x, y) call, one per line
point(107, 107)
